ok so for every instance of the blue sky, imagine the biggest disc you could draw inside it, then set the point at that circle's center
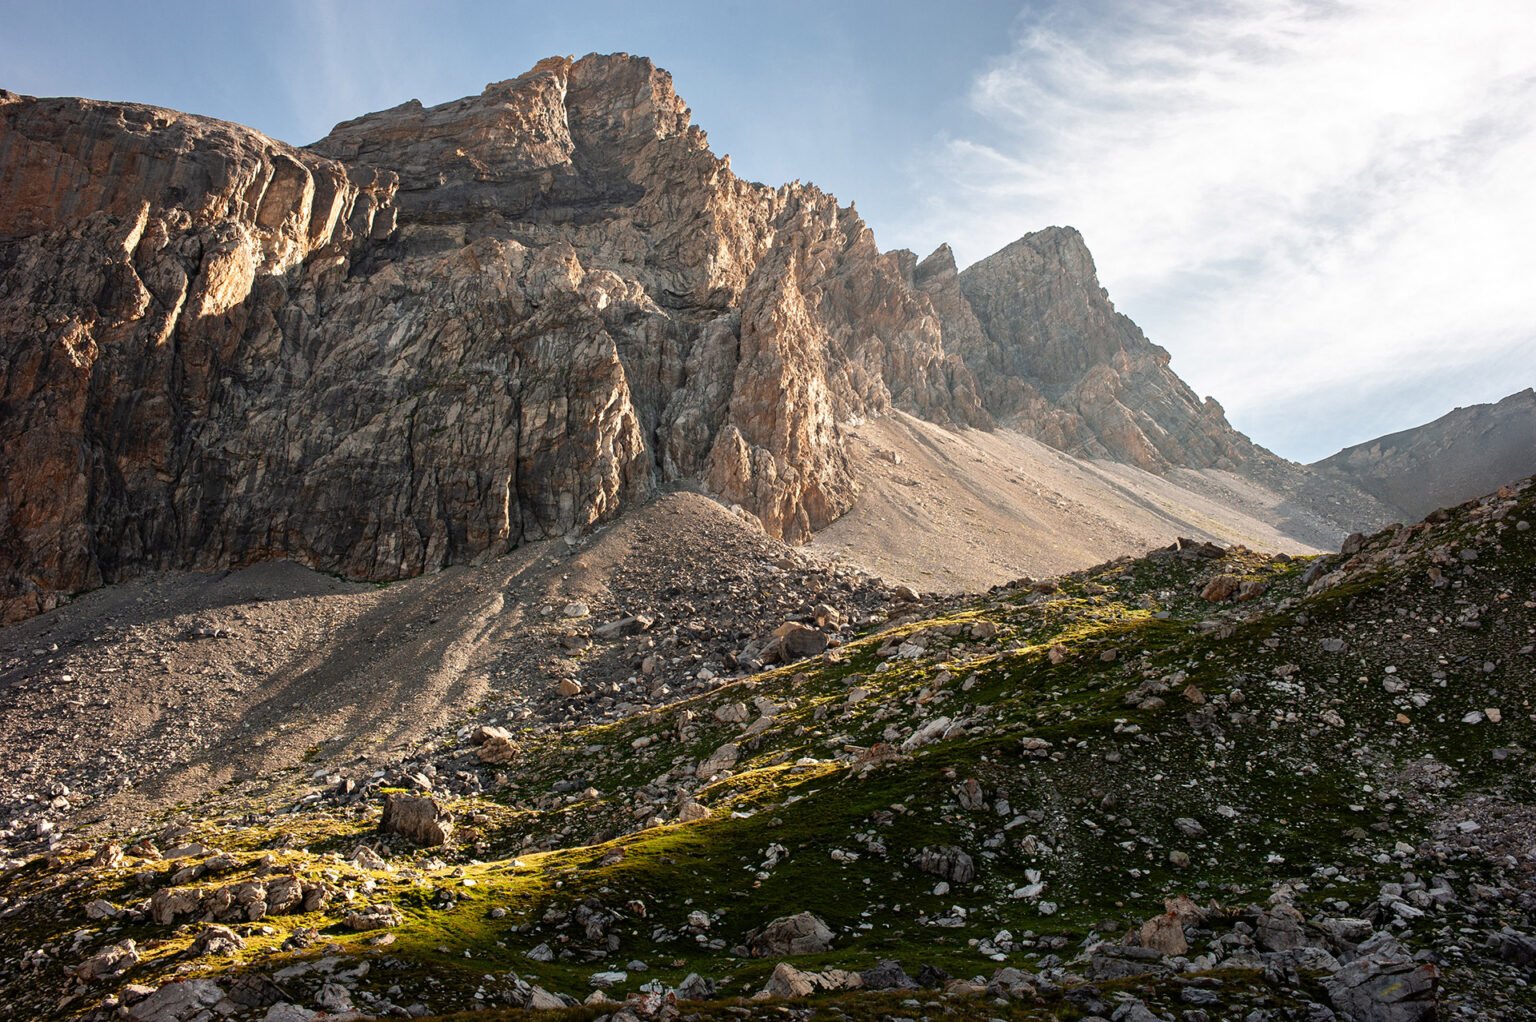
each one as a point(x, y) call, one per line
point(1321, 209)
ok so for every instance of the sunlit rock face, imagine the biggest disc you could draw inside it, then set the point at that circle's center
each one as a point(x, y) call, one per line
point(441, 332)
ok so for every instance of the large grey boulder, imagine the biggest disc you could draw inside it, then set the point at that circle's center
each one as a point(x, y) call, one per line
point(1385, 988)
point(799, 934)
point(188, 1001)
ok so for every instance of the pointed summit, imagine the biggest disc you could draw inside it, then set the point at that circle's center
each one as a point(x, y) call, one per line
point(940, 261)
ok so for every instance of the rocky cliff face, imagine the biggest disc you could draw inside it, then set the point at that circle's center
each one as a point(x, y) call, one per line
point(1455, 458)
point(441, 332)
point(1058, 361)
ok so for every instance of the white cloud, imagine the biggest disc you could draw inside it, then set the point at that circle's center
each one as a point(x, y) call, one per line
point(1298, 199)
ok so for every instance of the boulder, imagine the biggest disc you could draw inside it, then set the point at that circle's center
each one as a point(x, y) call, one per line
point(720, 760)
point(887, 974)
point(1112, 961)
point(487, 732)
point(418, 819)
point(1385, 988)
point(952, 863)
point(1164, 934)
point(695, 988)
point(826, 616)
point(927, 733)
point(799, 934)
point(285, 1011)
point(788, 981)
point(731, 713)
point(1281, 928)
point(374, 917)
point(169, 903)
point(364, 857)
point(691, 811)
point(1516, 947)
point(109, 962)
point(540, 999)
point(216, 940)
point(794, 641)
point(187, 1001)
point(1221, 588)
point(496, 750)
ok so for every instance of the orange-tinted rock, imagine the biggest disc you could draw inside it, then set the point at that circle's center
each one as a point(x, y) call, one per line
point(444, 331)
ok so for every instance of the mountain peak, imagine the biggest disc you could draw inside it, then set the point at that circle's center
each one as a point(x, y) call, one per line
point(449, 330)
point(940, 261)
point(1059, 245)
point(600, 111)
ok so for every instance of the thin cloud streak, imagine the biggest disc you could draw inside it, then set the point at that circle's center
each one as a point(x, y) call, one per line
point(1293, 197)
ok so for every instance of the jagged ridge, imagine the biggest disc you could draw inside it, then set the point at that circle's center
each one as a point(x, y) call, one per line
point(441, 332)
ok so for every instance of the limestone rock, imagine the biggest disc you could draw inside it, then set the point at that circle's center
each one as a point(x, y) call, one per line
point(186, 1001)
point(497, 750)
point(441, 332)
point(695, 988)
point(1221, 588)
point(540, 999)
point(109, 962)
point(794, 641)
point(949, 862)
point(887, 974)
point(721, 759)
point(691, 811)
point(799, 934)
point(216, 940)
point(1282, 928)
point(287, 1012)
point(418, 819)
point(1111, 962)
point(488, 733)
point(788, 981)
point(1164, 934)
point(374, 917)
point(731, 713)
point(1380, 988)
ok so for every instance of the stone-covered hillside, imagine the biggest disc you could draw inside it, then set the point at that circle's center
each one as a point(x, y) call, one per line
point(1203, 784)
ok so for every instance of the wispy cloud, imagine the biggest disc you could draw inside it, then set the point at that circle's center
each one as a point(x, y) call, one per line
point(1305, 201)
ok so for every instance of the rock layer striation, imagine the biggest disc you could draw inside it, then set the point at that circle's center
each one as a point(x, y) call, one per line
point(440, 332)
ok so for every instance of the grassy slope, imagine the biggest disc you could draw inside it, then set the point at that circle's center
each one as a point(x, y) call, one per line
point(1095, 814)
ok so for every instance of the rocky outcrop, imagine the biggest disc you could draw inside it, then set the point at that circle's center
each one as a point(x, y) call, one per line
point(1460, 455)
point(144, 257)
point(1056, 359)
point(441, 332)
point(435, 333)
